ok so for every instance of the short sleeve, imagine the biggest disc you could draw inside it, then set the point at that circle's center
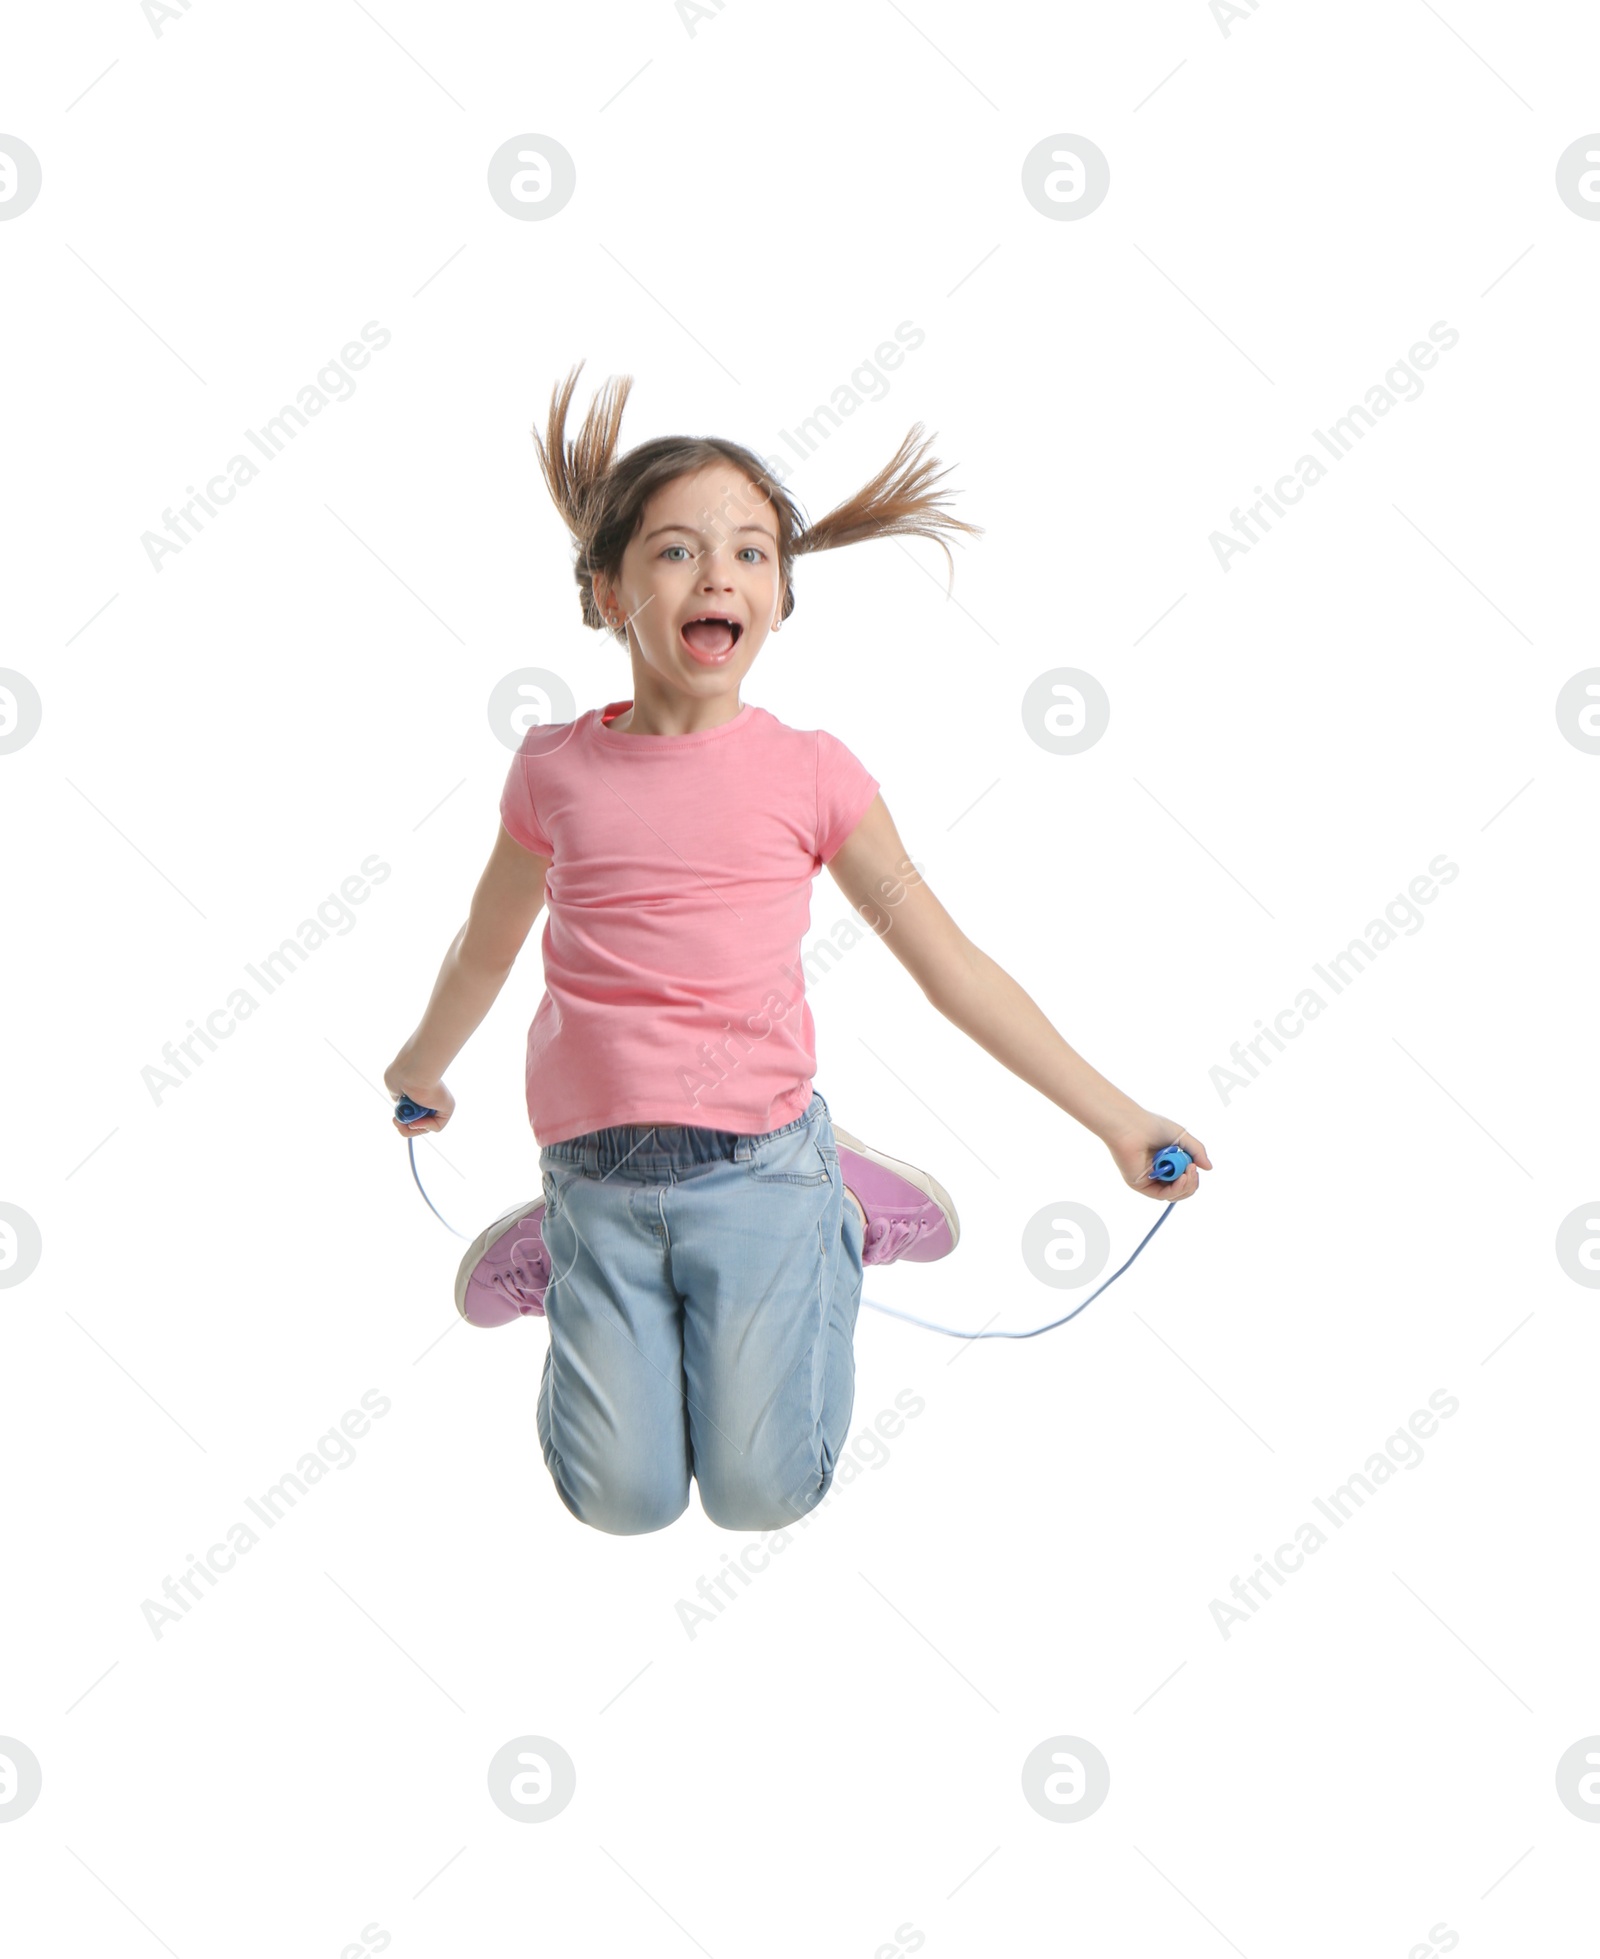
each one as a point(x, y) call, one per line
point(517, 812)
point(844, 794)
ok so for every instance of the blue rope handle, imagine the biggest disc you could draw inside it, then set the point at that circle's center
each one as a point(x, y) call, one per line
point(1168, 1166)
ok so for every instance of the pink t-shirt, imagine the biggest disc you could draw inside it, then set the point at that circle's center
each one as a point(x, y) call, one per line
point(678, 893)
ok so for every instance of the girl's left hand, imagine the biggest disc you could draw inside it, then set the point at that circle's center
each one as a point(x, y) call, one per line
point(1133, 1149)
point(400, 1080)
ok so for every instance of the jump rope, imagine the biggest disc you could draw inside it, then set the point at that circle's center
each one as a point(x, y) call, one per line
point(1168, 1166)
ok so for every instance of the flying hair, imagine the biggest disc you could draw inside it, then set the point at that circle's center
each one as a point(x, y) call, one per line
point(601, 496)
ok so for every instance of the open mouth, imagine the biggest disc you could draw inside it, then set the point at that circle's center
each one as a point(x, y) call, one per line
point(712, 636)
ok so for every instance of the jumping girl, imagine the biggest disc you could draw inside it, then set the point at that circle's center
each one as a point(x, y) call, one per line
point(697, 1252)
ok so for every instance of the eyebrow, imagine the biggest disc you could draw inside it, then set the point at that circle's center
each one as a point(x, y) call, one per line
point(690, 531)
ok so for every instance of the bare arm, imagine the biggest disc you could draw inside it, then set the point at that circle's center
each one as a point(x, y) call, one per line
point(874, 871)
point(509, 897)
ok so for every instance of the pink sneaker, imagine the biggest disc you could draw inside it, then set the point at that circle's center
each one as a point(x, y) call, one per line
point(505, 1270)
point(908, 1215)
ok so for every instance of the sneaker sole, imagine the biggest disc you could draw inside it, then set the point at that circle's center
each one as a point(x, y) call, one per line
point(929, 1186)
point(476, 1250)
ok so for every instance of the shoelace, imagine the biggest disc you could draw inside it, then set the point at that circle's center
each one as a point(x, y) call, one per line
point(527, 1270)
point(891, 1236)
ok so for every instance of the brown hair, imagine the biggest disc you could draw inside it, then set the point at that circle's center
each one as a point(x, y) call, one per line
point(602, 495)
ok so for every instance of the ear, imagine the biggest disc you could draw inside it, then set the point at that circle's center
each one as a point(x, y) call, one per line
point(605, 596)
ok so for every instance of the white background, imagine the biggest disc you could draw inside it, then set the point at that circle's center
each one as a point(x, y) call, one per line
point(835, 1763)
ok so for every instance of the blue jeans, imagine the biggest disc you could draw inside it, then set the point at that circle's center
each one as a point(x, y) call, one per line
point(701, 1307)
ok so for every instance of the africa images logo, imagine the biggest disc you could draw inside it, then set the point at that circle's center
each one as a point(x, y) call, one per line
point(1401, 1450)
point(1401, 917)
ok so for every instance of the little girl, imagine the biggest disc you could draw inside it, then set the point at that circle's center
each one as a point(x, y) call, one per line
point(697, 1252)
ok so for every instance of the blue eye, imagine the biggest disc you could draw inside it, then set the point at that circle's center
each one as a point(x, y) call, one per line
point(676, 547)
point(756, 548)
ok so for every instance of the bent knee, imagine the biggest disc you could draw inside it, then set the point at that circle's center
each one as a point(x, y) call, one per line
point(745, 1500)
point(626, 1507)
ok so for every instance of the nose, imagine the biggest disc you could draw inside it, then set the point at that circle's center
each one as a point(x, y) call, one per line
point(716, 572)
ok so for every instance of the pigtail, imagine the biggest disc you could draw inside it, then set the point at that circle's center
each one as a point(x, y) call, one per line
point(573, 469)
point(900, 501)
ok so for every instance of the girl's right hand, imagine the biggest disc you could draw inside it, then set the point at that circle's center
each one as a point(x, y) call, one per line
point(431, 1095)
point(1134, 1147)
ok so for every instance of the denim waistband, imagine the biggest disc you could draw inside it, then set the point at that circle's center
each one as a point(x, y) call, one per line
point(653, 1151)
